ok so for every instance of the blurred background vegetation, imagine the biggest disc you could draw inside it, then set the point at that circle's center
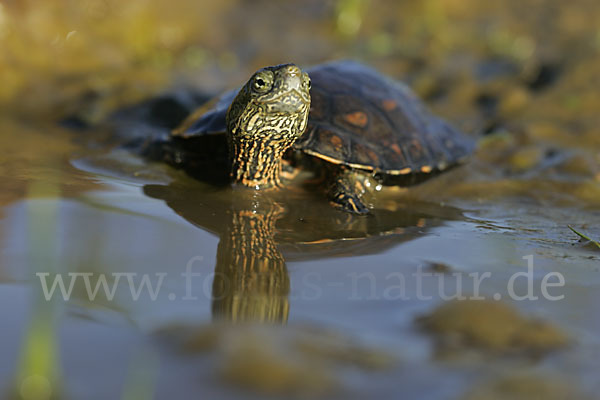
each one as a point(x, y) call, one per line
point(60, 55)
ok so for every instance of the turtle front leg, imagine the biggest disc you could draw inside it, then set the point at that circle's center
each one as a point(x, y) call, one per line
point(347, 189)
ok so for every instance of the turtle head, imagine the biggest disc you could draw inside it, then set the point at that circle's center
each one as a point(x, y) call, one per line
point(264, 120)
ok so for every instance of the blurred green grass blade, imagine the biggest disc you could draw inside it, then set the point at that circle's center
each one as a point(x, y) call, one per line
point(38, 374)
point(583, 236)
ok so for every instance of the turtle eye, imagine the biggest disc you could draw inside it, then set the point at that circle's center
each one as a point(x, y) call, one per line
point(306, 82)
point(262, 83)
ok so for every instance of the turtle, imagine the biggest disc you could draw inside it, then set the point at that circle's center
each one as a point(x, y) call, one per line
point(356, 128)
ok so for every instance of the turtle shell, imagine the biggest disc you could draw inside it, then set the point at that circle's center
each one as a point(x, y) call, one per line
point(361, 119)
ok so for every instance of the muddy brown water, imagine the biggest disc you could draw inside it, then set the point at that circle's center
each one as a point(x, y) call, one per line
point(326, 304)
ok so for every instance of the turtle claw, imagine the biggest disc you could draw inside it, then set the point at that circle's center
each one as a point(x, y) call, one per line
point(346, 192)
point(351, 204)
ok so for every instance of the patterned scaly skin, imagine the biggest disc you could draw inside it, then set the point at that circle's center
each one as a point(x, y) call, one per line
point(265, 119)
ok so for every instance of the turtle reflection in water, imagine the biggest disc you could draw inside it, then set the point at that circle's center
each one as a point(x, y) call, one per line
point(361, 131)
point(260, 231)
